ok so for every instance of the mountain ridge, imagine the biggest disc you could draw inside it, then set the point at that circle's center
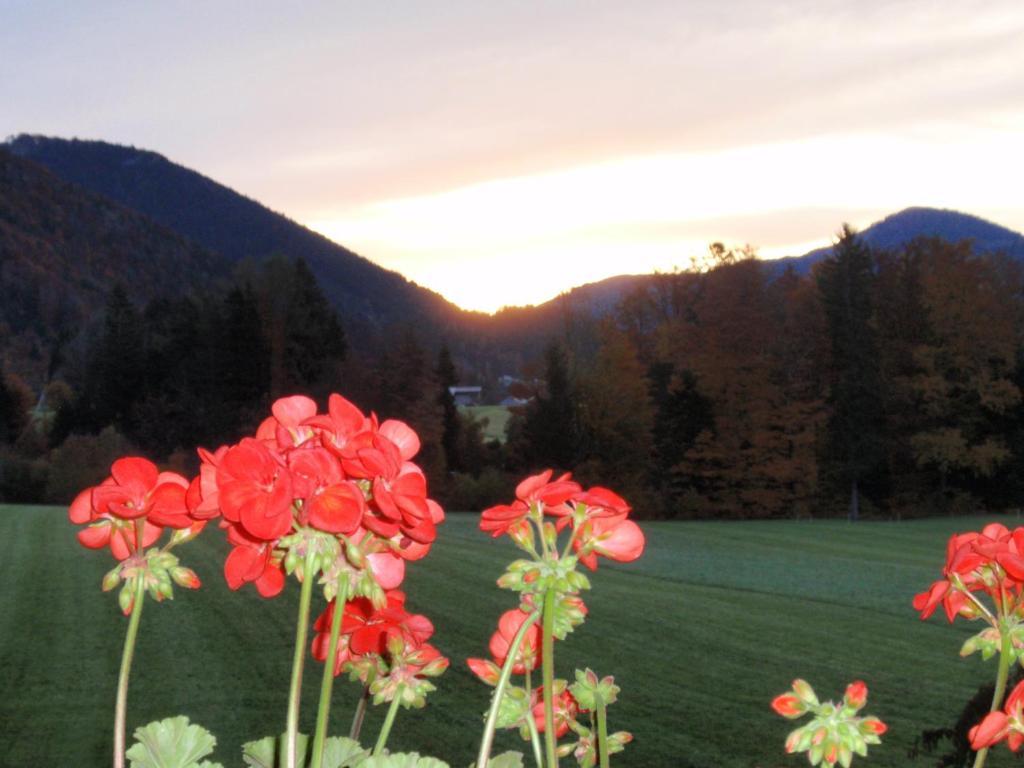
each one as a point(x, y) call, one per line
point(238, 227)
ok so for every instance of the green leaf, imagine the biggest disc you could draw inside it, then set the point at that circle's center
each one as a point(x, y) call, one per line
point(170, 743)
point(268, 752)
point(342, 752)
point(506, 760)
point(402, 760)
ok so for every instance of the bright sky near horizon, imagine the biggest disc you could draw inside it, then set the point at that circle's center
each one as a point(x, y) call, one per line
point(503, 153)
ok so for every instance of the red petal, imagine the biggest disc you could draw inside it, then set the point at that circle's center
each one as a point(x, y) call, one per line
point(136, 473)
point(292, 411)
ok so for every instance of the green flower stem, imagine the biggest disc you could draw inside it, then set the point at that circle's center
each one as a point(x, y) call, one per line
point(385, 730)
point(602, 733)
point(538, 756)
point(299, 656)
point(327, 685)
point(357, 718)
point(1001, 675)
point(121, 708)
point(548, 666)
point(499, 691)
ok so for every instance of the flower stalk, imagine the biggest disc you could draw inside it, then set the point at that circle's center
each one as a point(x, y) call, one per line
point(299, 656)
point(548, 668)
point(121, 707)
point(602, 733)
point(360, 714)
point(499, 690)
point(1002, 673)
point(385, 730)
point(327, 684)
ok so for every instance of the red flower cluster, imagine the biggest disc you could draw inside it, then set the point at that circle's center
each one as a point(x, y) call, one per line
point(340, 473)
point(991, 561)
point(564, 705)
point(389, 640)
point(1006, 724)
point(501, 641)
point(598, 517)
point(136, 497)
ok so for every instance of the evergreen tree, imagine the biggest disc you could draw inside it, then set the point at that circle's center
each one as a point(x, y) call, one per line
point(681, 413)
point(115, 372)
point(14, 416)
point(314, 341)
point(244, 362)
point(853, 448)
point(550, 428)
point(450, 424)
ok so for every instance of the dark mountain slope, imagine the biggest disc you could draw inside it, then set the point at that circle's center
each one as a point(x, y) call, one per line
point(62, 248)
point(367, 296)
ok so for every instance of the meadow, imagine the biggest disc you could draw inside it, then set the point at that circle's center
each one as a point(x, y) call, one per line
point(701, 633)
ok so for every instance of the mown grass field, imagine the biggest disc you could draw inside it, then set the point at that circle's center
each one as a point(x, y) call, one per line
point(496, 419)
point(715, 620)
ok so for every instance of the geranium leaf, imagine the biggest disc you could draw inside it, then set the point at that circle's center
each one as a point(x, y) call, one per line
point(170, 743)
point(268, 752)
point(342, 752)
point(402, 760)
point(506, 760)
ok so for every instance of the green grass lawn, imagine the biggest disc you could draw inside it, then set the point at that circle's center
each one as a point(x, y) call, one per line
point(701, 633)
point(495, 416)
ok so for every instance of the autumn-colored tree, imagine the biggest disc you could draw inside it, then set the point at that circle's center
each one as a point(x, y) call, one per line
point(901, 328)
point(964, 381)
point(615, 418)
point(750, 463)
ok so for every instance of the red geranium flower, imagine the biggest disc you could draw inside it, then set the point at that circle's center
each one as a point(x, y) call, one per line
point(1006, 724)
point(330, 502)
point(565, 710)
point(136, 494)
point(501, 641)
point(613, 537)
point(255, 489)
point(252, 561)
point(367, 630)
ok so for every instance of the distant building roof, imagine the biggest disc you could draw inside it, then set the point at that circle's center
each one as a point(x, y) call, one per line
point(465, 390)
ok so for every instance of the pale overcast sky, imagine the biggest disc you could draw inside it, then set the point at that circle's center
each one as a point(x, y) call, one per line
point(502, 153)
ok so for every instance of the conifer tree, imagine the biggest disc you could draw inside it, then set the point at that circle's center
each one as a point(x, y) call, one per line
point(550, 429)
point(852, 448)
point(450, 426)
point(314, 341)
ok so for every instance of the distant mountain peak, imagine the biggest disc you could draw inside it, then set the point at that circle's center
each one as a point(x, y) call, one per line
point(898, 229)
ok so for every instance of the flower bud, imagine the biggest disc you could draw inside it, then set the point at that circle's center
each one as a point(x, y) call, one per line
point(788, 705)
point(803, 689)
point(112, 579)
point(486, 670)
point(185, 577)
point(127, 598)
point(355, 555)
point(872, 725)
point(856, 694)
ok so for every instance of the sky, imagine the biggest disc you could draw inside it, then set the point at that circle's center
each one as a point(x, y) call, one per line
point(501, 153)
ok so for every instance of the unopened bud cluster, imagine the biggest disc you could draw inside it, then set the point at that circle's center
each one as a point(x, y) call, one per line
point(835, 733)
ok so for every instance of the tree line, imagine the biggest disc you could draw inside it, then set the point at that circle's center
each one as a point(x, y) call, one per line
point(883, 383)
point(880, 384)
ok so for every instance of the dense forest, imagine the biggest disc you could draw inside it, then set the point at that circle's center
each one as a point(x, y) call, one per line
point(882, 383)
